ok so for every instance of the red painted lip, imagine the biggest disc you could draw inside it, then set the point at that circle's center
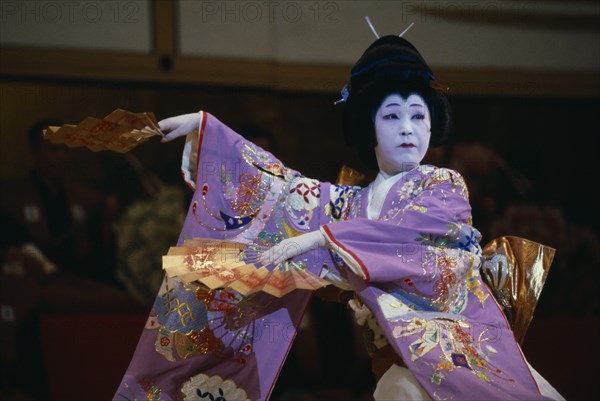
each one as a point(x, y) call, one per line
point(407, 145)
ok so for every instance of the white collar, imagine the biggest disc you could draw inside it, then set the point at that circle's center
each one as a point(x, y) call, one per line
point(378, 192)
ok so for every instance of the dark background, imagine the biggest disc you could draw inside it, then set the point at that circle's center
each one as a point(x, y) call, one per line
point(530, 163)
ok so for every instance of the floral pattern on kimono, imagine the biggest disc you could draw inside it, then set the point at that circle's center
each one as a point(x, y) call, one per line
point(417, 269)
point(197, 339)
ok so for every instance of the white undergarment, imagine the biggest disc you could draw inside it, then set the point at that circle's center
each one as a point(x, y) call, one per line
point(378, 192)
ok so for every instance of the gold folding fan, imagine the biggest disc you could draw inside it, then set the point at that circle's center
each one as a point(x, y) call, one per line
point(220, 264)
point(120, 131)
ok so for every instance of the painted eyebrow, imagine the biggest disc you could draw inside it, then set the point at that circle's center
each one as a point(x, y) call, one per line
point(396, 104)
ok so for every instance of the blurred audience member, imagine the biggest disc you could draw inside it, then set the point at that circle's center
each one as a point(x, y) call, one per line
point(492, 183)
point(68, 221)
point(57, 255)
point(503, 202)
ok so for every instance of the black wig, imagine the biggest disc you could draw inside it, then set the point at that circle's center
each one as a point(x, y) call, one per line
point(391, 65)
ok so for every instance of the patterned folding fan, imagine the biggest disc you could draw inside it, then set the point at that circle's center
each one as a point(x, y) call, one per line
point(220, 264)
point(120, 131)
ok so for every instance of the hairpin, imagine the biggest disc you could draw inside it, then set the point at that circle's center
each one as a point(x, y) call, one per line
point(406, 30)
point(372, 28)
point(439, 86)
point(345, 92)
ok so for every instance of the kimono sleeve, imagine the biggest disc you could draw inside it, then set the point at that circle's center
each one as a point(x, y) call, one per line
point(221, 344)
point(245, 194)
point(430, 212)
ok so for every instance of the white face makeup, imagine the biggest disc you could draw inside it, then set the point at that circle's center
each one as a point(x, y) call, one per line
point(403, 130)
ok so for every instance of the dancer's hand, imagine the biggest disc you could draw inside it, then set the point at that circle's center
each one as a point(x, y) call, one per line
point(290, 247)
point(181, 125)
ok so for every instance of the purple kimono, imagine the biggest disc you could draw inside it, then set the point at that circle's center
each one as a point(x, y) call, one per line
point(419, 265)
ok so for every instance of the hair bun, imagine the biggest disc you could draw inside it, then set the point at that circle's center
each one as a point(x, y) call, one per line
point(389, 56)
